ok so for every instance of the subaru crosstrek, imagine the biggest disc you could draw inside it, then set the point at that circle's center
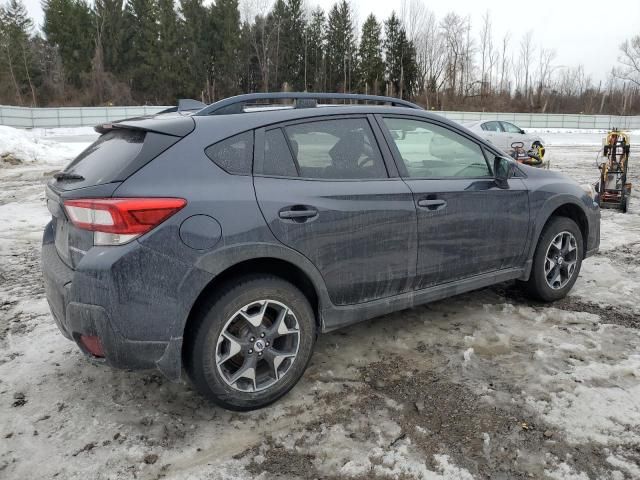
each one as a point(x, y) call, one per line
point(222, 239)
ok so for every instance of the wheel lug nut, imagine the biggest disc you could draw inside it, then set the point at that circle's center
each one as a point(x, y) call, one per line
point(252, 339)
point(267, 344)
point(259, 354)
point(262, 335)
point(251, 350)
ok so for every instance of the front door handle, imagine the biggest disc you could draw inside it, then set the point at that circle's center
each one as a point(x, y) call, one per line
point(432, 204)
point(300, 214)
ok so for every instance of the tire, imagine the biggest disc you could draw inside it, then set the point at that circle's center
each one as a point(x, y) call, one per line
point(211, 358)
point(543, 283)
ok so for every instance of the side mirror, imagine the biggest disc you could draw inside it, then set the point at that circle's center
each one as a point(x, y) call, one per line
point(501, 172)
point(522, 131)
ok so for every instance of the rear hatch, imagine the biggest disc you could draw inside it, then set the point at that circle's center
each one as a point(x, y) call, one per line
point(122, 149)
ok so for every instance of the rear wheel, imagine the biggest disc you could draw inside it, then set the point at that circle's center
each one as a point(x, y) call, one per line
point(251, 344)
point(556, 261)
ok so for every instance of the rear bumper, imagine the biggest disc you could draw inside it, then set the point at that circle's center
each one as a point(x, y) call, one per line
point(67, 292)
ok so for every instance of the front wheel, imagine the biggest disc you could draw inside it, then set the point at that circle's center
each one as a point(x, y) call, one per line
point(556, 261)
point(251, 344)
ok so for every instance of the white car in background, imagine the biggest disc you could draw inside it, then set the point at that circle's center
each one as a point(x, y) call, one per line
point(503, 134)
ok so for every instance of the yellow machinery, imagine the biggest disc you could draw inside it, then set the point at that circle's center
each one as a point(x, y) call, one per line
point(613, 189)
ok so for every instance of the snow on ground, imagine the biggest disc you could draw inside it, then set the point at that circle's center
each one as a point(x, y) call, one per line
point(484, 384)
point(41, 147)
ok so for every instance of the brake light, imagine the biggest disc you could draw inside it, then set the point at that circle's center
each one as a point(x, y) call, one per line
point(116, 221)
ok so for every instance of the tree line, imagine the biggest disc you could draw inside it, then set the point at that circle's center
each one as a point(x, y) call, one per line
point(156, 51)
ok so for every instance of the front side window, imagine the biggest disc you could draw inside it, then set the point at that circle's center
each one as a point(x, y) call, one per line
point(492, 127)
point(428, 150)
point(234, 155)
point(511, 128)
point(336, 149)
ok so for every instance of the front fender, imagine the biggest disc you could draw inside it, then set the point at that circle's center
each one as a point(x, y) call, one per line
point(543, 205)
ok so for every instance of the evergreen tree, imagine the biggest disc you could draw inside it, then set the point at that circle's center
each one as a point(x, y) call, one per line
point(16, 56)
point(170, 58)
point(274, 27)
point(193, 27)
point(371, 66)
point(315, 51)
point(400, 58)
point(110, 35)
point(340, 47)
point(141, 24)
point(69, 26)
point(292, 44)
point(225, 65)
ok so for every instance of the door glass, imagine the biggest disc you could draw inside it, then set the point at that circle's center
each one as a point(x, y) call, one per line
point(428, 150)
point(278, 160)
point(510, 127)
point(492, 127)
point(336, 149)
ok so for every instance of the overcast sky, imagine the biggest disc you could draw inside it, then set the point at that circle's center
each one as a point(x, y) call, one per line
point(586, 32)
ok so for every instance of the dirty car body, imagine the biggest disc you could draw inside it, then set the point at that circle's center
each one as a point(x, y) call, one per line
point(393, 230)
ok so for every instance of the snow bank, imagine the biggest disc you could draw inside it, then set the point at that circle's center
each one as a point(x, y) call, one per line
point(31, 147)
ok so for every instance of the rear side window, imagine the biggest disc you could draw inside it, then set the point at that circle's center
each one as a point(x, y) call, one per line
point(336, 149)
point(278, 160)
point(234, 155)
point(108, 156)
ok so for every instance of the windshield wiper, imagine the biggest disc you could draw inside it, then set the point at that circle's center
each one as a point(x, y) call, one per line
point(67, 176)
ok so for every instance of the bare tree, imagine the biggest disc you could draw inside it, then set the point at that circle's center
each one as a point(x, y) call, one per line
point(413, 15)
point(486, 52)
point(504, 64)
point(431, 58)
point(454, 28)
point(630, 60)
point(262, 36)
point(526, 59)
point(544, 72)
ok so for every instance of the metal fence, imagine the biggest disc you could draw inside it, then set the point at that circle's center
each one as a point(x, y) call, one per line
point(23, 117)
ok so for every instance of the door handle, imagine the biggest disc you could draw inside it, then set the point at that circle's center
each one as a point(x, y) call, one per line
point(432, 204)
point(298, 214)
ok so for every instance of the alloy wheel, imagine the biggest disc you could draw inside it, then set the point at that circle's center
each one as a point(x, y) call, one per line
point(258, 345)
point(561, 260)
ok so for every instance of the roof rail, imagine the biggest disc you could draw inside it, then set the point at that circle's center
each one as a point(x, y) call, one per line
point(237, 104)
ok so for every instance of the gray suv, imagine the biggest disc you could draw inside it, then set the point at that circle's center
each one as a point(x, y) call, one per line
point(223, 239)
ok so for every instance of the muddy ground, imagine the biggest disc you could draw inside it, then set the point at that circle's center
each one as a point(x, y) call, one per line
point(483, 385)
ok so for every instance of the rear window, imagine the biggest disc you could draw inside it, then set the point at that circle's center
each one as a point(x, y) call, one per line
point(108, 156)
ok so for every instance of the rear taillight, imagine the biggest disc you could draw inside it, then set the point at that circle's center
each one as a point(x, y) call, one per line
point(116, 221)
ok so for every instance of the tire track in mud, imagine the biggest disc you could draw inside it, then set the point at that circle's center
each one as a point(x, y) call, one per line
point(435, 417)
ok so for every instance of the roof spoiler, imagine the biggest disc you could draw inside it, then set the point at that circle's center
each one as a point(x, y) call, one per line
point(174, 125)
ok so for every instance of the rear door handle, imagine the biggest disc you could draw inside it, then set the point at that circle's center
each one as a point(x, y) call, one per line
point(298, 214)
point(432, 204)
